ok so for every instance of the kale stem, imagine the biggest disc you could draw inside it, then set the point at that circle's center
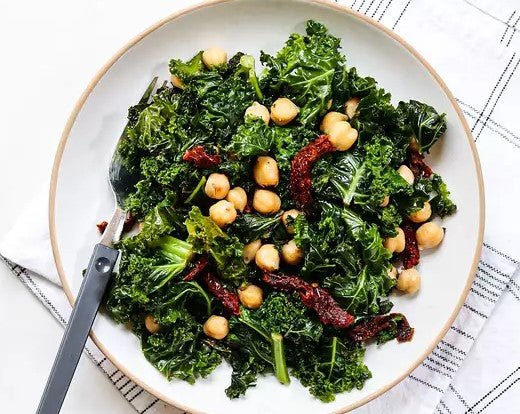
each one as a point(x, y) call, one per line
point(280, 367)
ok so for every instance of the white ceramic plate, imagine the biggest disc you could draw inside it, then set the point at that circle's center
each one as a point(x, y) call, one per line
point(80, 196)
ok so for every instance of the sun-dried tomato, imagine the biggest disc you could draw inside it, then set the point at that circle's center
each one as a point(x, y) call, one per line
point(102, 226)
point(370, 328)
point(417, 164)
point(301, 168)
point(410, 255)
point(312, 296)
point(198, 156)
point(197, 269)
point(129, 222)
point(228, 299)
point(328, 310)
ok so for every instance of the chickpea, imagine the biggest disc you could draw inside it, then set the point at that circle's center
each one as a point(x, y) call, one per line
point(293, 213)
point(216, 327)
point(409, 281)
point(291, 253)
point(257, 110)
point(214, 57)
point(266, 202)
point(392, 273)
point(151, 324)
point(421, 215)
point(342, 136)
point(250, 250)
point(429, 235)
point(330, 119)
point(238, 197)
point(395, 244)
point(406, 173)
point(177, 82)
point(251, 296)
point(283, 111)
point(351, 107)
point(265, 172)
point(267, 258)
point(385, 202)
point(222, 212)
point(217, 186)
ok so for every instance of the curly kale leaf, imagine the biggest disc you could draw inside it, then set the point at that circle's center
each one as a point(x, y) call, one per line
point(347, 84)
point(361, 178)
point(441, 202)
point(249, 227)
point(187, 70)
point(178, 350)
point(334, 367)
point(261, 337)
point(425, 122)
point(224, 250)
point(303, 70)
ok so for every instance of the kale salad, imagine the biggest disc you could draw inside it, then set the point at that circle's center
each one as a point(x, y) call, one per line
point(275, 214)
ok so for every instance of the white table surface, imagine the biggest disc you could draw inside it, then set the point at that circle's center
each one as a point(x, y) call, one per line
point(49, 51)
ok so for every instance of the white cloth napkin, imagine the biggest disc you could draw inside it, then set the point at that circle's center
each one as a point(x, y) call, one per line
point(474, 45)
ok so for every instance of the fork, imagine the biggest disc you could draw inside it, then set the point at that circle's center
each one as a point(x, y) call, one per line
point(97, 277)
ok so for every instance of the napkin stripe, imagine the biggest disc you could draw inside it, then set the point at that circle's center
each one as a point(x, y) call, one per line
point(513, 33)
point(401, 14)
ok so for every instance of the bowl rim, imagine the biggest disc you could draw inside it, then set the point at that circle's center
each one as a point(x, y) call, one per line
point(324, 3)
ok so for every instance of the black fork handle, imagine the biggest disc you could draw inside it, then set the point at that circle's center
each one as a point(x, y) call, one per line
point(93, 287)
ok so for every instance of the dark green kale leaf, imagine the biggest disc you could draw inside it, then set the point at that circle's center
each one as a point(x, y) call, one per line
point(225, 251)
point(264, 334)
point(253, 226)
point(334, 367)
point(187, 70)
point(424, 121)
point(348, 84)
point(441, 202)
point(303, 70)
point(178, 349)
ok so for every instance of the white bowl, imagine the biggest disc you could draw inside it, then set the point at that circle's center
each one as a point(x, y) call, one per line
point(80, 195)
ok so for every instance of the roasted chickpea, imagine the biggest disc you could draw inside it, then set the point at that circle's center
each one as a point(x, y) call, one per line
point(283, 111)
point(395, 244)
point(151, 324)
point(251, 296)
point(293, 213)
point(266, 202)
point(409, 281)
point(420, 216)
point(267, 258)
point(406, 173)
point(217, 186)
point(351, 107)
point(385, 202)
point(392, 273)
point(238, 197)
point(330, 119)
point(214, 57)
point(222, 212)
point(342, 136)
point(265, 172)
point(250, 250)
point(216, 327)
point(177, 82)
point(257, 110)
point(291, 253)
point(429, 235)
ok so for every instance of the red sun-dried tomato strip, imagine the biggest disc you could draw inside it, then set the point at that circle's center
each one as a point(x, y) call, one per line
point(228, 299)
point(301, 168)
point(129, 222)
point(198, 156)
point(410, 255)
point(328, 310)
point(102, 226)
point(314, 297)
point(197, 269)
point(417, 164)
point(371, 327)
